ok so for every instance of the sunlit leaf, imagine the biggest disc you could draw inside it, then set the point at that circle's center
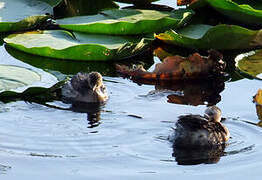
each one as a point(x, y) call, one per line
point(258, 97)
point(70, 8)
point(184, 2)
point(34, 94)
point(221, 37)
point(258, 100)
point(250, 63)
point(136, 1)
point(57, 66)
point(248, 12)
point(17, 15)
point(126, 21)
point(12, 77)
point(78, 46)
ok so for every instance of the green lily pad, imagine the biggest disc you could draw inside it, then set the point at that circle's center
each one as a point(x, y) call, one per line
point(80, 46)
point(39, 95)
point(220, 37)
point(71, 8)
point(250, 63)
point(126, 21)
point(248, 12)
point(17, 15)
point(12, 77)
point(136, 1)
point(55, 67)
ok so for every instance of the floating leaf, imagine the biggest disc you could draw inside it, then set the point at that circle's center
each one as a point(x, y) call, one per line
point(248, 12)
point(78, 46)
point(185, 2)
point(39, 95)
point(82, 7)
point(258, 100)
point(136, 1)
point(17, 15)
point(178, 68)
point(55, 66)
point(221, 37)
point(63, 66)
point(126, 21)
point(258, 97)
point(250, 63)
point(12, 77)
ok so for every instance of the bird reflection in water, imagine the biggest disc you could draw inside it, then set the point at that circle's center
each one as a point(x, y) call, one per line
point(93, 111)
point(198, 155)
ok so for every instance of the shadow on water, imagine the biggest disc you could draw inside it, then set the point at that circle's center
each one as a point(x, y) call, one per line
point(62, 66)
point(197, 92)
point(188, 92)
point(106, 68)
point(194, 92)
point(2, 36)
point(198, 156)
point(79, 8)
point(92, 110)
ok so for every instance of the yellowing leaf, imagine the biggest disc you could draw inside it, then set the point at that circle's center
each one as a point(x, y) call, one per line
point(185, 2)
point(258, 97)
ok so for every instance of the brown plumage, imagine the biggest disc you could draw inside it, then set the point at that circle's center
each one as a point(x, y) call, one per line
point(85, 87)
point(194, 131)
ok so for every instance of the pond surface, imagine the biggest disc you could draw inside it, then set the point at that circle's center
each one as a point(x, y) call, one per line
point(130, 140)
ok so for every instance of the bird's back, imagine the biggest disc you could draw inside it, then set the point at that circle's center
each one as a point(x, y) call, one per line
point(195, 131)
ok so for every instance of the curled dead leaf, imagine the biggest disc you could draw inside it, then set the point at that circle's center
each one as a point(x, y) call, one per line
point(258, 97)
point(185, 2)
point(194, 66)
point(258, 100)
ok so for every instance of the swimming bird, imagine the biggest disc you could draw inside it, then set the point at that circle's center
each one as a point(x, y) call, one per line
point(85, 87)
point(196, 131)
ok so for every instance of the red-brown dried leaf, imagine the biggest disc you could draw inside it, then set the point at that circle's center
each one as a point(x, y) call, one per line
point(179, 68)
point(184, 2)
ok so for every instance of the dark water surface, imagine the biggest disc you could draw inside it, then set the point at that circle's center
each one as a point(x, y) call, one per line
point(130, 141)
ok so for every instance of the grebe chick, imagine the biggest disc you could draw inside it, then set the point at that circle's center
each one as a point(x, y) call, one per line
point(85, 87)
point(195, 131)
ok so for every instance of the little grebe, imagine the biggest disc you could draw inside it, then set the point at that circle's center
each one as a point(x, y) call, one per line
point(85, 87)
point(195, 131)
